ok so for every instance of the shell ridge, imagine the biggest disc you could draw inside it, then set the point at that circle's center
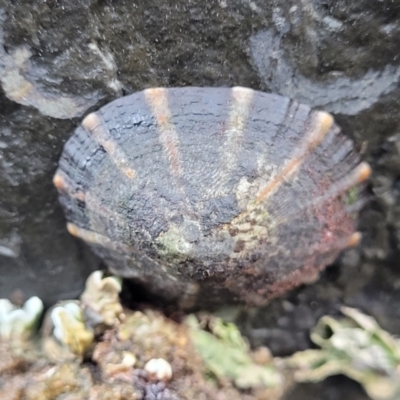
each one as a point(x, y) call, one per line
point(354, 178)
point(71, 176)
point(290, 112)
point(320, 125)
point(97, 239)
point(239, 108)
point(317, 126)
point(95, 124)
point(64, 184)
point(102, 216)
point(157, 100)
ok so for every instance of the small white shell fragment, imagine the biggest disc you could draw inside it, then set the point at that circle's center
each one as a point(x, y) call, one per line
point(19, 322)
point(129, 359)
point(127, 363)
point(159, 369)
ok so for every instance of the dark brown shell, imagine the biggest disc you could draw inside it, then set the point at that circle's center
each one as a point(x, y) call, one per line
point(211, 194)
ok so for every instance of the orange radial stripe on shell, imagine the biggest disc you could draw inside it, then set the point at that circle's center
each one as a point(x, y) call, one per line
point(96, 238)
point(239, 110)
point(354, 239)
point(339, 244)
point(62, 183)
point(93, 124)
point(157, 99)
point(362, 173)
point(358, 175)
point(238, 113)
point(320, 125)
point(59, 182)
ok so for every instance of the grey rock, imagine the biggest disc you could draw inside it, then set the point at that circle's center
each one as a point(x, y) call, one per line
point(61, 59)
point(337, 93)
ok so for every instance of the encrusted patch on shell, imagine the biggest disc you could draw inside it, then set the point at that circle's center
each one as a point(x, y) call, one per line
point(211, 194)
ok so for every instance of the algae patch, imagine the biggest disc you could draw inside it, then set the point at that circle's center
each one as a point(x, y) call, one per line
point(355, 346)
point(226, 355)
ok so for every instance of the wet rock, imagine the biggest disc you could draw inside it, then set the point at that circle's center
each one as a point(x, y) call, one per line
point(342, 56)
point(337, 92)
point(58, 61)
point(37, 256)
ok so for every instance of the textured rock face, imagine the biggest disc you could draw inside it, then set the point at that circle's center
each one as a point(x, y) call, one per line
point(62, 59)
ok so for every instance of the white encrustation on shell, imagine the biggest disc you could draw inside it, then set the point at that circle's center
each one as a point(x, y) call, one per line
point(159, 369)
point(70, 329)
point(19, 322)
point(100, 300)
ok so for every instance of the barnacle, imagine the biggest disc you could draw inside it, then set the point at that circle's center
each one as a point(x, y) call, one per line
point(159, 369)
point(100, 300)
point(69, 328)
point(19, 322)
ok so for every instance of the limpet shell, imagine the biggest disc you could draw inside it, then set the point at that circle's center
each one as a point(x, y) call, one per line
point(208, 195)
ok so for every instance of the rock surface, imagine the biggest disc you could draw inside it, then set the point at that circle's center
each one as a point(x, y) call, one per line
point(62, 59)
